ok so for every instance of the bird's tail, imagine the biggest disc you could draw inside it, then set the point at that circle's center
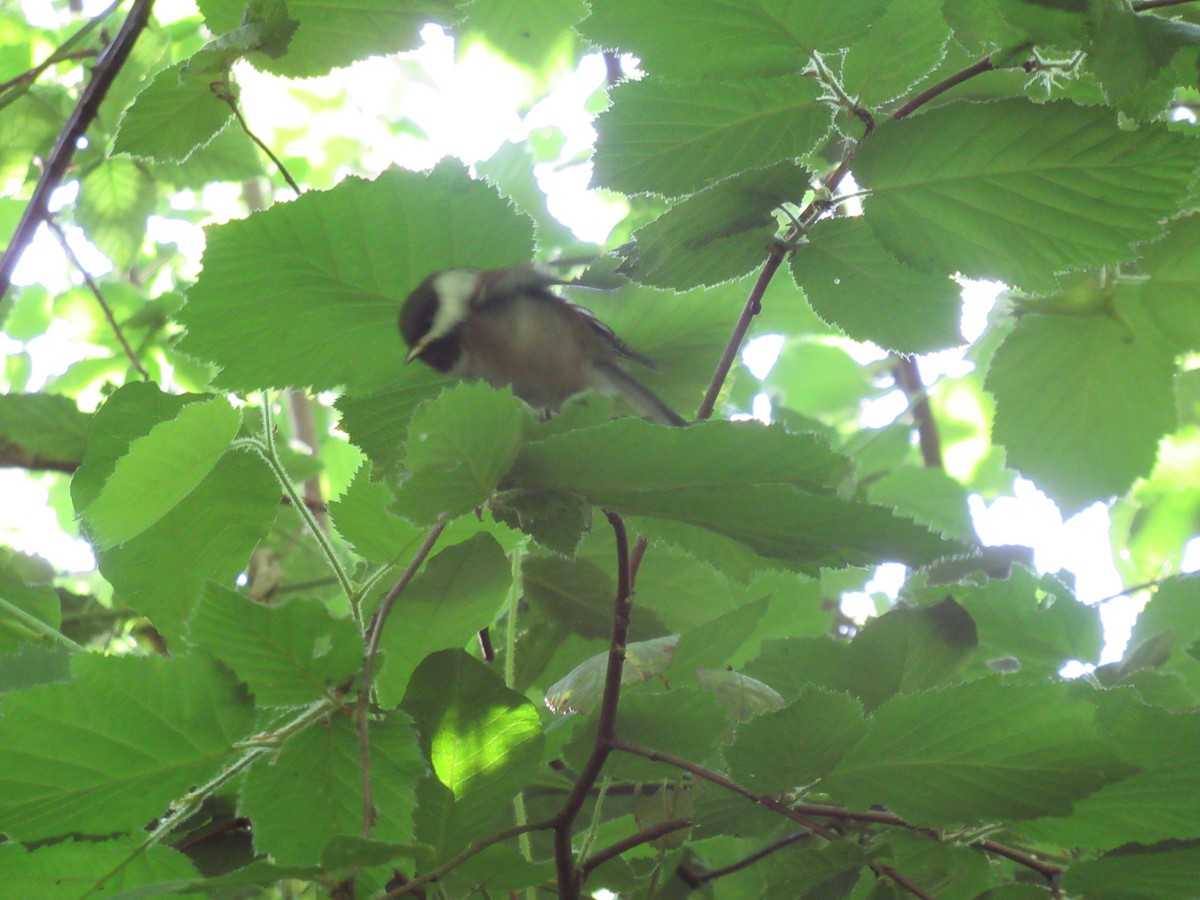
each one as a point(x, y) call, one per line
point(618, 381)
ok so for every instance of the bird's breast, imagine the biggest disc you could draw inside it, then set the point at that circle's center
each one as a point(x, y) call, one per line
point(538, 348)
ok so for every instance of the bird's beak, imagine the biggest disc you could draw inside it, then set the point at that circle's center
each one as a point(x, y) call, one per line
point(417, 350)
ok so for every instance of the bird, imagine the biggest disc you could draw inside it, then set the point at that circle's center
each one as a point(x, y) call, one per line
point(508, 328)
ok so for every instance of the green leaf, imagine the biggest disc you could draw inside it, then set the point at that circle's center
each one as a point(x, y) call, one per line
point(485, 744)
point(854, 283)
point(698, 476)
point(1139, 60)
point(458, 593)
point(312, 791)
point(672, 139)
point(115, 199)
point(1036, 620)
point(976, 752)
point(26, 593)
point(781, 751)
point(472, 727)
point(362, 517)
point(459, 446)
point(69, 869)
point(333, 35)
point(160, 470)
point(815, 378)
point(718, 234)
point(40, 429)
point(173, 117)
point(307, 292)
point(907, 650)
point(930, 496)
point(210, 534)
point(1020, 192)
point(678, 38)
point(1137, 873)
point(686, 723)
point(287, 655)
point(113, 748)
point(901, 49)
point(529, 33)
point(714, 643)
point(33, 665)
point(581, 689)
point(1098, 429)
point(1172, 293)
point(1151, 805)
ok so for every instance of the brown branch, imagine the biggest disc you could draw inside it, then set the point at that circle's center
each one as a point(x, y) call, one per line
point(908, 377)
point(699, 879)
point(569, 876)
point(107, 68)
point(476, 848)
point(978, 68)
point(13, 457)
point(734, 344)
point(645, 836)
point(1047, 870)
point(374, 633)
point(95, 289)
point(717, 778)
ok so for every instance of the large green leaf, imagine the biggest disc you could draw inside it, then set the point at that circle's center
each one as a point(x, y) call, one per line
point(312, 791)
point(688, 38)
point(287, 655)
point(307, 292)
point(672, 139)
point(110, 750)
point(1018, 191)
point(976, 752)
point(459, 592)
point(718, 234)
point(1081, 403)
point(173, 117)
point(69, 869)
point(855, 283)
point(42, 429)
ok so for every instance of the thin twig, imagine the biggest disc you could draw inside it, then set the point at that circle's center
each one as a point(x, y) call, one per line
point(978, 68)
point(908, 377)
point(30, 75)
point(222, 91)
point(107, 68)
point(1140, 5)
point(95, 289)
point(653, 833)
point(474, 849)
point(374, 633)
point(699, 879)
point(734, 344)
point(717, 778)
point(564, 858)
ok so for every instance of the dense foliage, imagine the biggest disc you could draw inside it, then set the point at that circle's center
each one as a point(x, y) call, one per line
point(358, 629)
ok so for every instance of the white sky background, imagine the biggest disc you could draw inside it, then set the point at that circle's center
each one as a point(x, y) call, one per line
point(468, 108)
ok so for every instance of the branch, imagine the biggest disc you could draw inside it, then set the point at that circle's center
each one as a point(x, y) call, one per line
point(30, 75)
point(978, 68)
point(569, 877)
point(473, 850)
point(81, 117)
point(699, 879)
point(95, 289)
point(653, 833)
point(1140, 5)
point(749, 311)
point(908, 377)
point(717, 778)
point(374, 633)
point(223, 92)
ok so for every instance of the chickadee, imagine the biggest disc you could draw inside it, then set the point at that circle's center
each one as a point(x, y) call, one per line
point(506, 327)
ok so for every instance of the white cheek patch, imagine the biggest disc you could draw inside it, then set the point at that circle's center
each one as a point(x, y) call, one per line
point(455, 288)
